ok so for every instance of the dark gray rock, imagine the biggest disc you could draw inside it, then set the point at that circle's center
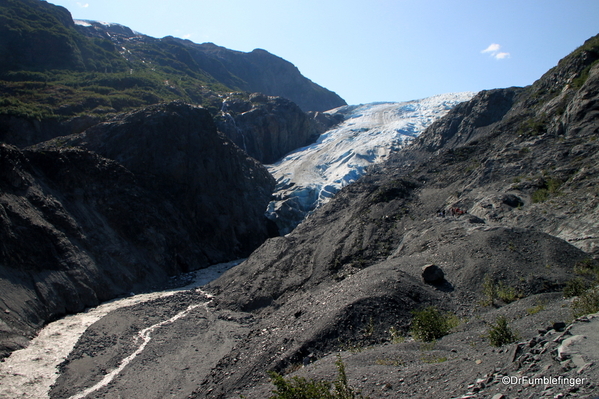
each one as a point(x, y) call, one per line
point(266, 127)
point(432, 274)
point(167, 195)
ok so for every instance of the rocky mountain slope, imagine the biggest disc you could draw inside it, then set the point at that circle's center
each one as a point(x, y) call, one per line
point(119, 208)
point(490, 213)
point(59, 77)
point(256, 71)
point(52, 67)
point(266, 127)
point(521, 162)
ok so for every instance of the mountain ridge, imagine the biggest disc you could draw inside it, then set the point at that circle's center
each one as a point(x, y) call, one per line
point(35, 51)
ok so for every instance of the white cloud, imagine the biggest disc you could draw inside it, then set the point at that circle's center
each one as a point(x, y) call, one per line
point(187, 36)
point(493, 51)
point(83, 5)
point(493, 48)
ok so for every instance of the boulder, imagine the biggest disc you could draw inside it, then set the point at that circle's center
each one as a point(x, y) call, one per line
point(432, 274)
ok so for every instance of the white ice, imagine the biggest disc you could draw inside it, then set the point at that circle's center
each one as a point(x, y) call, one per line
point(369, 133)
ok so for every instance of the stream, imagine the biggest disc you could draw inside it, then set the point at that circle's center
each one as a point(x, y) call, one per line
point(30, 372)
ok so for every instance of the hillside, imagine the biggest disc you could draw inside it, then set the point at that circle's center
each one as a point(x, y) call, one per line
point(521, 162)
point(121, 208)
point(59, 77)
point(490, 213)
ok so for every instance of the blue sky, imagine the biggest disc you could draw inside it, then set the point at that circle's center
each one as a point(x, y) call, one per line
point(376, 50)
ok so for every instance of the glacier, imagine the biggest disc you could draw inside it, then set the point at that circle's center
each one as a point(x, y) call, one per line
point(308, 177)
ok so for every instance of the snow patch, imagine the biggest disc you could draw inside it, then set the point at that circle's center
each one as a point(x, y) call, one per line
point(81, 22)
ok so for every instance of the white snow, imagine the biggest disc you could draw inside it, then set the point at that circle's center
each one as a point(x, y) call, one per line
point(82, 22)
point(311, 175)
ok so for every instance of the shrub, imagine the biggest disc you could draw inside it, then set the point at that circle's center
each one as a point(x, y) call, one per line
point(550, 187)
point(430, 324)
point(587, 267)
point(302, 388)
point(494, 291)
point(576, 287)
point(499, 333)
point(587, 303)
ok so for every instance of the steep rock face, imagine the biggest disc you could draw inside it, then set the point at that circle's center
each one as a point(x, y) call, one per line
point(79, 228)
point(175, 148)
point(266, 127)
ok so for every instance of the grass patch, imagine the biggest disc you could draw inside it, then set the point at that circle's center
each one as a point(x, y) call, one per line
point(550, 188)
point(388, 362)
point(396, 336)
point(432, 359)
point(536, 309)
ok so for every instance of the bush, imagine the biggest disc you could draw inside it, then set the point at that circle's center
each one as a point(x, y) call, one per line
point(493, 291)
point(430, 324)
point(576, 287)
point(302, 388)
point(500, 333)
point(587, 267)
point(587, 303)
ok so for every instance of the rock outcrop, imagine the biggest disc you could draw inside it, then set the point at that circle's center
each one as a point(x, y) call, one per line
point(120, 208)
point(266, 127)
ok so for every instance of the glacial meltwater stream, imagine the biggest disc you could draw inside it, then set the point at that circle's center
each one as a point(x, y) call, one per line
point(30, 372)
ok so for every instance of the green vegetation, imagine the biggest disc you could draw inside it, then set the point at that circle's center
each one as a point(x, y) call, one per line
point(576, 287)
point(432, 359)
point(54, 71)
point(550, 187)
point(533, 127)
point(302, 388)
point(430, 324)
point(586, 303)
point(536, 309)
point(499, 333)
point(587, 267)
point(396, 336)
point(590, 46)
point(497, 291)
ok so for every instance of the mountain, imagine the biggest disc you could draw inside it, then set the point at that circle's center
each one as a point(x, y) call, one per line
point(52, 67)
point(120, 208)
point(499, 192)
point(485, 221)
point(477, 230)
point(367, 134)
